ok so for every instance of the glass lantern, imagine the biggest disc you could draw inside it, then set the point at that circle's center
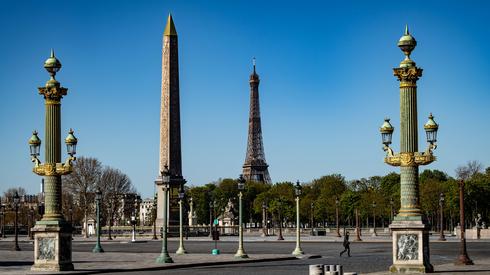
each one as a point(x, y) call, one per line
point(431, 128)
point(386, 132)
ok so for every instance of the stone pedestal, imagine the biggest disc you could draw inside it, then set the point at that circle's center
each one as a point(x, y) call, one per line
point(410, 247)
point(52, 246)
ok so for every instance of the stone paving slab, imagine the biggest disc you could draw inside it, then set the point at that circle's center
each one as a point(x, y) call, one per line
point(20, 262)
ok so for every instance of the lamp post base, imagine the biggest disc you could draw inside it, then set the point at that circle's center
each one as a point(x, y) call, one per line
point(410, 246)
point(297, 251)
point(241, 254)
point(52, 246)
point(181, 251)
point(463, 260)
point(98, 249)
point(164, 258)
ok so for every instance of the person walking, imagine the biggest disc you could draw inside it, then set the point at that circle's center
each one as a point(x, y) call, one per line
point(346, 245)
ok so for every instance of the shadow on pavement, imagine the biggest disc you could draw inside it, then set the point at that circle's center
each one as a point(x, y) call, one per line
point(15, 263)
point(462, 271)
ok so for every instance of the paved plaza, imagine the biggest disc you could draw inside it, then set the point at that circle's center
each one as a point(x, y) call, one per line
point(267, 256)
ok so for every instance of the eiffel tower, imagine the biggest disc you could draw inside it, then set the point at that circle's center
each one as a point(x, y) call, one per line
point(255, 166)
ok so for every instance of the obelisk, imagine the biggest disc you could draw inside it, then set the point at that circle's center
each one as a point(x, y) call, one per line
point(170, 150)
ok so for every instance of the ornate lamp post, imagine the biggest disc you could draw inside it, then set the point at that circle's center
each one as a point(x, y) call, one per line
point(409, 227)
point(2, 215)
point(374, 220)
point(52, 234)
point(441, 217)
point(240, 253)
point(181, 249)
point(463, 258)
point(70, 210)
point(211, 205)
point(154, 210)
point(280, 237)
point(337, 202)
point(311, 217)
point(391, 214)
point(98, 198)
point(297, 251)
point(16, 200)
point(133, 220)
point(31, 223)
point(264, 219)
point(358, 229)
point(165, 183)
point(391, 210)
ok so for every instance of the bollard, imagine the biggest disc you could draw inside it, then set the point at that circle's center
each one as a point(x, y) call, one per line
point(316, 269)
point(339, 269)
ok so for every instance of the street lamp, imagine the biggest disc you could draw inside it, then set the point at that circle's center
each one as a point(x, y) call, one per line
point(297, 251)
point(409, 225)
point(311, 217)
point(211, 204)
point(264, 219)
point(391, 214)
point(98, 197)
point(31, 223)
point(181, 249)
point(165, 182)
point(240, 253)
point(441, 218)
point(358, 229)
point(134, 220)
point(2, 215)
point(391, 210)
point(374, 220)
point(337, 202)
point(280, 237)
point(52, 225)
point(16, 200)
point(154, 210)
point(463, 258)
point(70, 210)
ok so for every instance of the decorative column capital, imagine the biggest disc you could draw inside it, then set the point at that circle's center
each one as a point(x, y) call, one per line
point(408, 76)
point(53, 93)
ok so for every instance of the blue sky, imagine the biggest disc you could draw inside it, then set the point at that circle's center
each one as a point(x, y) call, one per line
point(326, 83)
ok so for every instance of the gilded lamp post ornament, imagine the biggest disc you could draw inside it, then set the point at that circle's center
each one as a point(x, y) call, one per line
point(52, 234)
point(409, 227)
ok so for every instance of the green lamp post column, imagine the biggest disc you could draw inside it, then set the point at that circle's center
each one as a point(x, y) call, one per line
point(154, 211)
point(52, 234)
point(98, 197)
point(409, 227)
point(165, 183)
point(181, 250)
point(240, 253)
point(297, 251)
point(16, 200)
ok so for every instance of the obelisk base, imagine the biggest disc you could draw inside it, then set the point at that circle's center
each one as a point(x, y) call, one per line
point(410, 246)
point(52, 246)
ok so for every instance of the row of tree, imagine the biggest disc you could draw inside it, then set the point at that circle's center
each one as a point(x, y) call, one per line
point(377, 196)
